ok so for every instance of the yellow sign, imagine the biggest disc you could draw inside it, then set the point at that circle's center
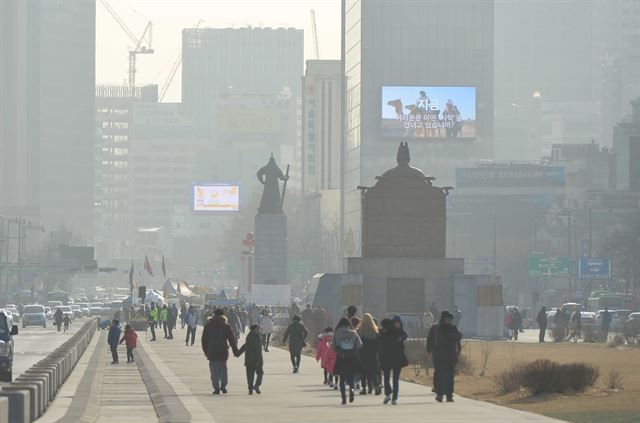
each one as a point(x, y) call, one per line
point(249, 121)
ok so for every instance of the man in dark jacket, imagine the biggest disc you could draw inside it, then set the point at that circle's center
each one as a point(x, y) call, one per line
point(217, 336)
point(542, 323)
point(296, 334)
point(253, 359)
point(443, 343)
point(113, 338)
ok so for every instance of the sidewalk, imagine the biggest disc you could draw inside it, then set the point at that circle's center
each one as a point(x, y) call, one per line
point(170, 383)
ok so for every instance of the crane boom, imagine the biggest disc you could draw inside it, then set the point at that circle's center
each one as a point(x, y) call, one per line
point(315, 34)
point(174, 68)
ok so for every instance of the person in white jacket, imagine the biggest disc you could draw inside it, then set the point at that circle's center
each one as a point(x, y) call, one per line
point(267, 326)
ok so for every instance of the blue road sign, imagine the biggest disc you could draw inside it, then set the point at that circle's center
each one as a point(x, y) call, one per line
point(594, 268)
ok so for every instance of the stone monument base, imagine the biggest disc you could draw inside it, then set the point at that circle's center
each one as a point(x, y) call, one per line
point(405, 285)
point(271, 294)
point(270, 258)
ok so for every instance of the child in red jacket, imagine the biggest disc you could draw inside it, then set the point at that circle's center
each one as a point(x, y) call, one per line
point(130, 338)
point(327, 356)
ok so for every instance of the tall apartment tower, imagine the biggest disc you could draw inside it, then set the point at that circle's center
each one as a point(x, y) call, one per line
point(47, 83)
point(321, 125)
point(405, 43)
point(246, 59)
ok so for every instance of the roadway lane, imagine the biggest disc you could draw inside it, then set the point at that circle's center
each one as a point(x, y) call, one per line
point(32, 344)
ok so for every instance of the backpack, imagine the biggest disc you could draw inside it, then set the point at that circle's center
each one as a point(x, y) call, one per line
point(217, 341)
point(347, 349)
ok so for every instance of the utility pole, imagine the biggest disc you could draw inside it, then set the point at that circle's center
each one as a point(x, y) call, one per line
point(590, 235)
point(495, 242)
point(569, 246)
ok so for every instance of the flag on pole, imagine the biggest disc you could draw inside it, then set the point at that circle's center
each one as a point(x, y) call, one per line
point(147, 265)
point(164, 269)
point(131, 276)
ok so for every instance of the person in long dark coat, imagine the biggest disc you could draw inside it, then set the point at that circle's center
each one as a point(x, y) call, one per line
point(217, 337)
point(296, 335)
point(443, 343)
point(542, 323)
point(392, 356)
point(369, 354)
point(253, 359)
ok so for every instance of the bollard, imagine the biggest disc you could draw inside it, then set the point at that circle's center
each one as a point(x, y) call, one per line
point(19, 405)
point(47, 375)
point(44, 387)
point(4, 409)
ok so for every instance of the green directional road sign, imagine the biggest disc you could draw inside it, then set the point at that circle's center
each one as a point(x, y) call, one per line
point(302, 266)
point(541, 265)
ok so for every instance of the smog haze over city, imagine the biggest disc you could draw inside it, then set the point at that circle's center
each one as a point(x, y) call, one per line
point(412, 192)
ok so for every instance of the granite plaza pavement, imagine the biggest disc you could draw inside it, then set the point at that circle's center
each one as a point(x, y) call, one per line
point(169, 382)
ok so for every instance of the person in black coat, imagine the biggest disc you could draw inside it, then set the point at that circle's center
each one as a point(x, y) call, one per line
point(392, 356)
point(369, 354)
point(443, 343)
point(253, 359)
point(541, 319)
point(296, 335)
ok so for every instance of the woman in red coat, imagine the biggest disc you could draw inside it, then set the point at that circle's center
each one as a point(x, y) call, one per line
point(130, 338)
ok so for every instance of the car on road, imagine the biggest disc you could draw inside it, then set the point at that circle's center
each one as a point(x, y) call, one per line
point(84, 308)
point(54, 304)
point(95, 309)
point(7, 332)
point(14, 312)
point(77, 311)
point(34, 315)
point(67, 311)
point(617, 317)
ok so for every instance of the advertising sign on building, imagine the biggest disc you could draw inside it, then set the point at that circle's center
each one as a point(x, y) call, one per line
point(503, 176)
point(594, 268)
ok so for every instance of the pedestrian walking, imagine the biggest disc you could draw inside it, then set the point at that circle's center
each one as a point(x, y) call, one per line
point(130, 338)
point(346, 344)
point(516, 323)
point(541, 319)
point(369, 354)
point(113, 338)
point(217, 337)
point(191, 320)
point(327, 356)
point(296, 335)
point(352, 315)
point(392, 357)
point(183, 315)
point(164, 313)
point(253, 362)
point(606, 323)
point(266, 324)
point(152, 318)
point(443, 343)
point(172, 319)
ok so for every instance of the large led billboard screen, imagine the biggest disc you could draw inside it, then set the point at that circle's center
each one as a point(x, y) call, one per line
point(216, 197)
point(428, 112)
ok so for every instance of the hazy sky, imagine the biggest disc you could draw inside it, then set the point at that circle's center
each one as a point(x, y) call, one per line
point(169, 17)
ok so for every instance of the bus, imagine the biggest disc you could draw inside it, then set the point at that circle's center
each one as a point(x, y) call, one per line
point(61, 296)
point(612, 300)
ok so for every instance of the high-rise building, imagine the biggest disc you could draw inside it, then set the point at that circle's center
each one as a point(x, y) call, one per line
point(114, 105)
point(426, 58)
point(248, 59)
point(321, 126)
point(626, 147)
point(47, 57)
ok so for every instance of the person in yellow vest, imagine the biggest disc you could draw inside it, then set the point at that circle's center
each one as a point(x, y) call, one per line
point(163, 319)
point(152, 320)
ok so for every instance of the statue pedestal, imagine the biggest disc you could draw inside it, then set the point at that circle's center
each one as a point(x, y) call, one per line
point(271, 249)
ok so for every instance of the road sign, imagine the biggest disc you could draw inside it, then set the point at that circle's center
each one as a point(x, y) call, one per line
point(541, 265)
point(302, 266)
point(594, 268)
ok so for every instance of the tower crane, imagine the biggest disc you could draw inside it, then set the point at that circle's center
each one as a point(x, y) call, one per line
point(142, 44)
point(315, 34)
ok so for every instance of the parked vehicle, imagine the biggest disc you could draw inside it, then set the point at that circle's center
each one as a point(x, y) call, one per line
point(7, 332)
point(34, 315)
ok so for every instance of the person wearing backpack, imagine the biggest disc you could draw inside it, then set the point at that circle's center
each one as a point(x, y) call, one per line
point(217, 337)
point(346, 343)
point(296, 334)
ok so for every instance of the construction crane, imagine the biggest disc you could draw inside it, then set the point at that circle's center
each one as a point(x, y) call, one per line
point(315, 34)
point(174, 68)
point(142, 44)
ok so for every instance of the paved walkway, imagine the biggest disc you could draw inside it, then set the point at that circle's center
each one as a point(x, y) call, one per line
point(173, 380)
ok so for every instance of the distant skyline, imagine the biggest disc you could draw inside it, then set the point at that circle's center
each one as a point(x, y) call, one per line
point(170, 17)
